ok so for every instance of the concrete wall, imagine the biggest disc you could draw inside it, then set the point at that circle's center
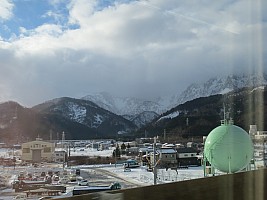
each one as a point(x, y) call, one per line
point(246, 186)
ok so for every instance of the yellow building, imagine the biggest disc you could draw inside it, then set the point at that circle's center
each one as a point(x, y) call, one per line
point(37, 151)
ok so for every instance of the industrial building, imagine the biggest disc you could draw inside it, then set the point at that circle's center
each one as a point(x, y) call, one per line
point(37, 151)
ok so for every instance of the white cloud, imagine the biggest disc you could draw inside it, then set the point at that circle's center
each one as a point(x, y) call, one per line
point(6, 7)
point(80, 11)
point(140, 48)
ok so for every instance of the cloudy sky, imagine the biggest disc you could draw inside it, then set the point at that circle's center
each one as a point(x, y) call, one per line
point(146, 48)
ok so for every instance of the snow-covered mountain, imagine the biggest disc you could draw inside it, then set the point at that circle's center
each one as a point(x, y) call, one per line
point(139, 111)
point(81, 118)
point(87, 114)
point(218, 85)
point(130, 106)
point(142, 119)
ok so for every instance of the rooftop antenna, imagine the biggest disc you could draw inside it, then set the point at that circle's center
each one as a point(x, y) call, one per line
point(226, 117)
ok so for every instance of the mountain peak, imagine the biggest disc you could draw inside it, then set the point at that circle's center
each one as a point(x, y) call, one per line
point(220, 85)
point(124, 105)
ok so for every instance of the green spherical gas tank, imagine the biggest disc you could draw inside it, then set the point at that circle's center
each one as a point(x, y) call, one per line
point(228, 148)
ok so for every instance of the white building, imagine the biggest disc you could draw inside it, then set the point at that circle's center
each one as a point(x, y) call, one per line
point(254, 133)
point(260, 147)
point(59, 156)
point(37, 151)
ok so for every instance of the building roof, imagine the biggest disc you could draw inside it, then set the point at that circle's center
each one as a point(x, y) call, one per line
point(145, 149)
point(167, 151)
point(37, 142)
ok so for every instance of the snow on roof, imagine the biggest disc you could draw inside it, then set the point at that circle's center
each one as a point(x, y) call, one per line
point(167, 150)
point(168, 145)
point(144, 149)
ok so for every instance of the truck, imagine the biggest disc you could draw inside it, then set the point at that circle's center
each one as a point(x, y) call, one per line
point(23, 185)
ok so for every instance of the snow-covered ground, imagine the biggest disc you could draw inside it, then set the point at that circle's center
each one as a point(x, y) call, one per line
point(143, 177)
point(140, 175)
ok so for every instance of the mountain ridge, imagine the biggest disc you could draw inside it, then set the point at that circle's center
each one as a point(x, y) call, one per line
point(81, 118)
point(201, 115)
point(132, 106)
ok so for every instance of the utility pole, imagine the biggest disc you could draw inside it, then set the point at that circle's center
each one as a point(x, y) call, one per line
point(116, 154)
point(154, 161)
point(63, 150)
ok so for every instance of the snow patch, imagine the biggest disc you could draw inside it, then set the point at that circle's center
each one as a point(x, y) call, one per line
point(225, 91)
point(170, 116)
point(76, 113)
point(258, 88)
point(98, 120)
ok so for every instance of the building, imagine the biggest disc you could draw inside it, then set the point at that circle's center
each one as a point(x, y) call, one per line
point(144, 155)
point(165, 157)
point(37, 151)
point(60, 156)
point(255, 134)
point(168, 157)
point(259, 139)
point(187, 156)
point(132, 151)
point(104, 146)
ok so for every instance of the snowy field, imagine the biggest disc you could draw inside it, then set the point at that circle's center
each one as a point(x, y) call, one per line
point(143, 177)
point(140, 175)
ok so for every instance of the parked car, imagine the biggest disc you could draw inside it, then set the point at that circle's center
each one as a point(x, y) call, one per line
point(73, 178)
point(83, 182)
point(64, 179)
point(55, 178)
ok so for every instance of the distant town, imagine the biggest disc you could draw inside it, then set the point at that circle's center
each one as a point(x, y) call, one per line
point(60, 168)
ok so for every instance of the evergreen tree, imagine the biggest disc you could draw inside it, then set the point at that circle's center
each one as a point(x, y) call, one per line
point(128, 146)
point(116, 153)
point(123, 147)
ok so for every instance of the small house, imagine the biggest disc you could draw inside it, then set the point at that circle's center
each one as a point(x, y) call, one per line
point(188, 156)
point(60, 156)
point(165, 157)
